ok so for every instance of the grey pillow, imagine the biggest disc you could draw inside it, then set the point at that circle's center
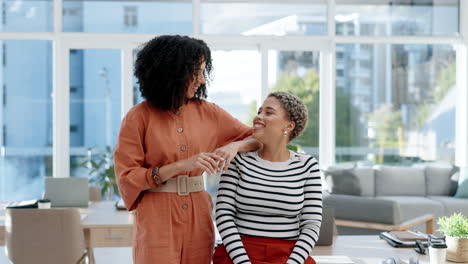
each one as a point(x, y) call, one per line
point(438, 181)
point(399, 181)
point(343, 182)
point(366, 180)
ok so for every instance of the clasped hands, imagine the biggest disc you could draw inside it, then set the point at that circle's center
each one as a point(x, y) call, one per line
point(213, 162)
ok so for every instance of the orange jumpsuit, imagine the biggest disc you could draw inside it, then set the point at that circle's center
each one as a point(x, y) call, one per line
point(168, 228)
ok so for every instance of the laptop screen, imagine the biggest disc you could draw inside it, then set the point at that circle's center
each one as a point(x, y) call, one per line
point(67, 192)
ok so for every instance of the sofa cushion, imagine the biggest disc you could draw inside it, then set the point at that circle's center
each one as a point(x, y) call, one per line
point(452, 204)
point(364, 175)
point(404, 181)
point(343, 182)
point(367, 209)
point(411, 206)
point(439, 182)
point(367, 179)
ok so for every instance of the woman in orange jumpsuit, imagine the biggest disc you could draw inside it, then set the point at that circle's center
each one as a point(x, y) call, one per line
point(165, 144)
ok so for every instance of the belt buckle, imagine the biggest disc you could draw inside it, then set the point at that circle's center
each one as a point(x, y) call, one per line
point(182, 185)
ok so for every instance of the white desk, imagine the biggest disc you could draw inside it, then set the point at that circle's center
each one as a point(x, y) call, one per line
point(103, 225)
point(368, 250)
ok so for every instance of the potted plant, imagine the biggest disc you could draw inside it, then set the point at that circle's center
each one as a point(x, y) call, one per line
point(101, 171)
point(455, 228)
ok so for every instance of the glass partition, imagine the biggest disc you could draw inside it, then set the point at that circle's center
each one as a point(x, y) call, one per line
point(393, 18)
point(25, 118)
point(297, 72)
point(95, 102)
point(261, 18)
point(143, 16)
point(395, 104)
point(30, 16)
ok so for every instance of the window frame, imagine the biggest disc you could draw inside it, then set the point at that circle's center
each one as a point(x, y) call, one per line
point(63, 42)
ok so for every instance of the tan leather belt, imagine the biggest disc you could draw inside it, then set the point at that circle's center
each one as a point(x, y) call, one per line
point(182, 185)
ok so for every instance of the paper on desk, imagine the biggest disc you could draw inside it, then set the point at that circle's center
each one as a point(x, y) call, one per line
point(83, 216)
point(333, 260)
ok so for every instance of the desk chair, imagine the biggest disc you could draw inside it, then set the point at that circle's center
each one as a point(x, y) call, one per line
point(95, 193)
point(44, 236)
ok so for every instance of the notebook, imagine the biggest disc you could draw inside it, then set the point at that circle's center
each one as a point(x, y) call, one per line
point(408, 235)
point(67, 192)
point(395, 242)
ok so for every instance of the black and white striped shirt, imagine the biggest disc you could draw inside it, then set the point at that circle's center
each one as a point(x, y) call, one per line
point(261, 198)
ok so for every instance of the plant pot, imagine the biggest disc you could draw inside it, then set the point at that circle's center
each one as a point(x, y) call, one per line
point(457, 249)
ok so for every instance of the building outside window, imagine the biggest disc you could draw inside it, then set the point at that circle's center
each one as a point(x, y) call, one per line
point(130, 16)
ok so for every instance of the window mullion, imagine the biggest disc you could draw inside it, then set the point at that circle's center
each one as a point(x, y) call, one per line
point(264, 71)
point(327, 108)
point(461, 113)
point(196, 17)
point(127, 80)
point(61, 110)
point(58, 21)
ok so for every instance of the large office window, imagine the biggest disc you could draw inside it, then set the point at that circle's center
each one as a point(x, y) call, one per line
point(395, 104)
point(297, 72)
point(236, 84)
point(30, 16)
point(236, 87)
point(395, 75)
point(397, 18)
point(259, 18)
point(154, 17)
point(94, 106)
point(25, 118)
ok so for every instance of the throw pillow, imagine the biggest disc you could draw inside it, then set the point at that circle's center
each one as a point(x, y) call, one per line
point(366, 180)
point(438, 181)
point(343, 182)
point(462, 190)
point(454, 180)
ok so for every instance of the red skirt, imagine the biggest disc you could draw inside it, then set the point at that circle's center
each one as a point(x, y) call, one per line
point(261, 250)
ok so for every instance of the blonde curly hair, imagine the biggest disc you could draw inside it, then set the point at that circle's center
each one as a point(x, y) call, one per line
point(296, 111)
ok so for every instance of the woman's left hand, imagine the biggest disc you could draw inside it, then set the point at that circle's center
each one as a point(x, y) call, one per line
point(227, 152)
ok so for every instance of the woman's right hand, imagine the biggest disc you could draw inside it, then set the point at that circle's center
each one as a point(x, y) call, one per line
point(204, 160)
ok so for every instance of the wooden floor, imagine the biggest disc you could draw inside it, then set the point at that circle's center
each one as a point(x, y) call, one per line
point(102, 255)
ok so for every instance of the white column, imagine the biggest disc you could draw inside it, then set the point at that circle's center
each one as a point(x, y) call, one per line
point(327, 108)
point(327, 133)
point(127, 80)
point(331, 11)
point(196, 17)
point(61, 110)
point(461, 118)
point(58, 21)
point(264, 73)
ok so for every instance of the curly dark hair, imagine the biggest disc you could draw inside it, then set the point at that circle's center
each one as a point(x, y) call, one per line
point(295, 109)
point(166, 65)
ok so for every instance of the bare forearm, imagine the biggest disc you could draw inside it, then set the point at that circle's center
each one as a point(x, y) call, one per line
point(248, 144)
point(168, 171)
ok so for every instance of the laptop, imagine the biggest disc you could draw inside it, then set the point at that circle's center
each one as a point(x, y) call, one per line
point(67, 192)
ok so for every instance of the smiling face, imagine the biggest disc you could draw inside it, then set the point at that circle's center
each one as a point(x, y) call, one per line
point(197, 80)
point(271, 122)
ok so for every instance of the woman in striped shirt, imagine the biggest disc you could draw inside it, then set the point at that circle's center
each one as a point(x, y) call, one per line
point(269, 204)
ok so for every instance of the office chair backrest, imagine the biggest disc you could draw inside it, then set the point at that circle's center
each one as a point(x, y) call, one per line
point(95, 193)
point(327, 229)
point(44, 236)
